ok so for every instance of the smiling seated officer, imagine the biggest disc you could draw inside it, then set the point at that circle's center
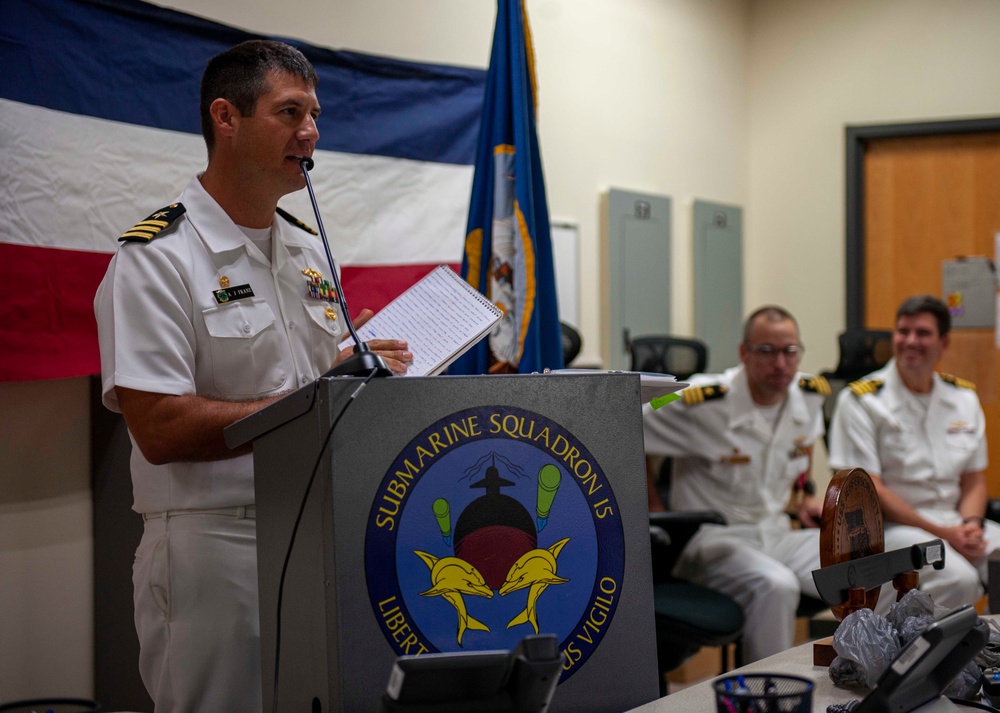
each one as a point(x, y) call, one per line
point(207, 313)
point(739, 441)
point(921, 436)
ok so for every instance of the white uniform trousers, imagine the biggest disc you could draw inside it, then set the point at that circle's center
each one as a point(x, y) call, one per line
point(195, 588)
point(764, 569)
point(960, 582)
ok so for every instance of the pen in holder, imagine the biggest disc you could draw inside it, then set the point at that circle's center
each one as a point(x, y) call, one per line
point(763, 693)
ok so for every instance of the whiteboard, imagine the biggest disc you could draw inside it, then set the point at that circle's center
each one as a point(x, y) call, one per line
point(566, 256)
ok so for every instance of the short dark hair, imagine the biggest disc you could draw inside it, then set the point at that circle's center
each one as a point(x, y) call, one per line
point(239, 75)
point(929, 304)
point(772, 313)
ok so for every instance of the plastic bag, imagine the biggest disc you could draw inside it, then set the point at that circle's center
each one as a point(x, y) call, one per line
point(966, 684)
point(914, 604)
point(866, 644)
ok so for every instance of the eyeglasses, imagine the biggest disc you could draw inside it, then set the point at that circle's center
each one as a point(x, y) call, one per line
point(792, 352)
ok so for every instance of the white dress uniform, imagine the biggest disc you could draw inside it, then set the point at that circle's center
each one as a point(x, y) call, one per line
point(201, 310)
point(920, 445)
point(729, 457)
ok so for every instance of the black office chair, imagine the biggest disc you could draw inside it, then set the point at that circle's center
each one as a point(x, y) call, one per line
point(572, 342)
point(861, 352)
point(663, 354)
point(688, 616)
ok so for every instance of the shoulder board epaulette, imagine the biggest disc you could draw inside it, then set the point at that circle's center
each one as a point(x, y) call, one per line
point(295, 221)
point(146, 230)
point(815, 385)
point(955, 381)
point(700, 394)
point(870, 386)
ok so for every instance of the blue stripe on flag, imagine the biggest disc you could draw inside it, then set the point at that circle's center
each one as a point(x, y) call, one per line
point(521, 268)
point(133, 62)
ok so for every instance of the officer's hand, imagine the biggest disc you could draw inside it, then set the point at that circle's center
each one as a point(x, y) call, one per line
point(967, 539)
point(395, 352)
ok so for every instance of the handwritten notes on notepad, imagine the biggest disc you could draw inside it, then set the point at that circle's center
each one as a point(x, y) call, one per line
point(441, 317)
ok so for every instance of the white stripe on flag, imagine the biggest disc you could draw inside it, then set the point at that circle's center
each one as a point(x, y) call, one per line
point(75, 182)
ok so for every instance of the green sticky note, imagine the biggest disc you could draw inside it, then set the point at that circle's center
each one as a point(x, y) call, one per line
point(664, 400)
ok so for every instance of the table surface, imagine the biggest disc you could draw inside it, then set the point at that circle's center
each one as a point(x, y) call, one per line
point(796, 661)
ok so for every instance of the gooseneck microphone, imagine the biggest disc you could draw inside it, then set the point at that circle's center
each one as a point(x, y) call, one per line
point(363, 361)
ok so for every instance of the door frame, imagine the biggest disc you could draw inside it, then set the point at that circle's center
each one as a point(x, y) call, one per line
point(857, 138)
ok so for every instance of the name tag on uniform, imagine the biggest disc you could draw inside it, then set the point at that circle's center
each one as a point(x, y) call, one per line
point(736, 458)
point(960, 427)
point(228, 294)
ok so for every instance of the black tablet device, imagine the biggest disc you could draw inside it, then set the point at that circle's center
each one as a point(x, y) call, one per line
point(926, 665)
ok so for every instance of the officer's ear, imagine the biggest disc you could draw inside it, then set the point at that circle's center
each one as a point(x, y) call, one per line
point(225, 118)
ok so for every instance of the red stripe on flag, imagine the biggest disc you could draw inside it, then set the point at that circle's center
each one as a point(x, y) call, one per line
point(375, 286)
point(47, 325)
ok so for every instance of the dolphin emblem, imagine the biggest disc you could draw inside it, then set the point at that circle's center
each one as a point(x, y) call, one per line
point(535, 569)
point(451, 577)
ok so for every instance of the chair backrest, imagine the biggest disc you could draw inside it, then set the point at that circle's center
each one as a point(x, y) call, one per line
point(572, 342)
point(862, 352)
point(663, 354)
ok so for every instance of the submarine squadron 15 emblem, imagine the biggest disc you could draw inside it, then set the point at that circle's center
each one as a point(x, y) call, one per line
point(493, 524)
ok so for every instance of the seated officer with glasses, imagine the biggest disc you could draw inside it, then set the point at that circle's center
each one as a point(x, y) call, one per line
point(921, 435)
point(739, 442)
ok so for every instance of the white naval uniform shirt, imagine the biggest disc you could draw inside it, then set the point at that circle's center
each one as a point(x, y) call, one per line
point(161, 329)
point(726, 456)
point(921, 458)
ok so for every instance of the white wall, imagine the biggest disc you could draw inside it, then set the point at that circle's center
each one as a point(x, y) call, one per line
point(814, 68)
point(737, 101)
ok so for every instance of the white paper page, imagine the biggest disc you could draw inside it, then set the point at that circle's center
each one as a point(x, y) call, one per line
point(440, 317)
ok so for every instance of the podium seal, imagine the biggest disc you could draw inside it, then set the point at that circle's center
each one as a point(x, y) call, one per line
point(492, 524)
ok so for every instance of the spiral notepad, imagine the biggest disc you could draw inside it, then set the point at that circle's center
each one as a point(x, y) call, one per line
point(441, 317)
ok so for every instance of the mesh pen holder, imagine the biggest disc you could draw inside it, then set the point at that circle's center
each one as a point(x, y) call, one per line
point(763, 693)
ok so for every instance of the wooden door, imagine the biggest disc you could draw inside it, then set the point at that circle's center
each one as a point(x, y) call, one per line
point(928, 199)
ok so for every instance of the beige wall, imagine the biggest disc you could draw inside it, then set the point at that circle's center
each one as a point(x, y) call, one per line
point(46, 549)
point(737, 101)
point(814, 68)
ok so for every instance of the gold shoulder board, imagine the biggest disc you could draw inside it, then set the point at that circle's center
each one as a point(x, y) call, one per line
point(146, 230)
point(700, 394)
point(815, 384)
point(295, 221)
point(956, 381)
point(871, 386)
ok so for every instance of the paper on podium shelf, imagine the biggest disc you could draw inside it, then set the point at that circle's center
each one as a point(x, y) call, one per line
point(654, 389)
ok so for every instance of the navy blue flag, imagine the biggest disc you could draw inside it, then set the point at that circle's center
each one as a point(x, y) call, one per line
point(508, 246)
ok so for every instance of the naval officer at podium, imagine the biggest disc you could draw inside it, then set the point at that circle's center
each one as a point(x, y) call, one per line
point(212, 308)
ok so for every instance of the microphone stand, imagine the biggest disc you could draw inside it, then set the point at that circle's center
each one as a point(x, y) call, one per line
point(363, 361)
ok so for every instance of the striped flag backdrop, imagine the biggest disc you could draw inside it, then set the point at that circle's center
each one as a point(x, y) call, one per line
point(508, 248)
point(99, 127)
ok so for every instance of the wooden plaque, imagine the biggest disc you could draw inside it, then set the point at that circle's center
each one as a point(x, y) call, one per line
point(851, 526)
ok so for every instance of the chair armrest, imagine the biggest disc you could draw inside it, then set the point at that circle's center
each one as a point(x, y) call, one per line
point(670, 532)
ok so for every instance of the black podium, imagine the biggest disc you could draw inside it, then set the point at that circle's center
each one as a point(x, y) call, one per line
point(454, 514)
